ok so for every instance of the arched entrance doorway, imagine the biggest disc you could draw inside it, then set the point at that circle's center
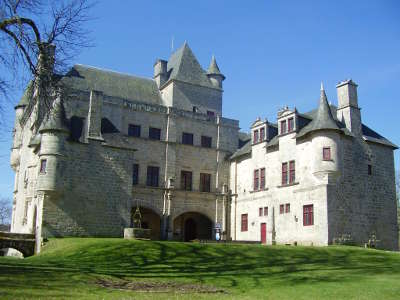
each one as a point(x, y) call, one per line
point(191, 226)
point(150, 220)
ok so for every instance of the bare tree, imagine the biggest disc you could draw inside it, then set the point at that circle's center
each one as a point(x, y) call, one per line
point(38, 38)
point(5, 211)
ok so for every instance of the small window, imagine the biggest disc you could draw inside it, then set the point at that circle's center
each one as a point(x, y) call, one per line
point(283, 127)
point(210, 113)
point(134, 130)
point(262, 134)
point(256, 180)
point(255, 136)
point(262, 178)
point(281, 208)
point(260, 211)
point(205, 182)
point(206, 141)
point(43, 164)
point(152, 176)
point(186, 180)
point(195, 109)
point(284, 173)
point(266, 211)
point(76, 128)
point(292, 171)
point(154, 133)
point(135, 174)
point(308, 215)
point(187, 138)
point(369, 169)
point(326, 153)
point(244, 224)
point(290, 124)
point(287, 208)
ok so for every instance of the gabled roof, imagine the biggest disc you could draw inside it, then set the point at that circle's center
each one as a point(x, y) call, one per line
point(113, 84)
point(183, 66)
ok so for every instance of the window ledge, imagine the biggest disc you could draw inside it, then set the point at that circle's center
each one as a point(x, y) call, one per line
point(328, 160)
point(287, 133)
point(256, 191)
point(287, 185)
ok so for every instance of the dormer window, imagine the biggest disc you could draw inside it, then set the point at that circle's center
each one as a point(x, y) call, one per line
point(290, 124)
point(283, 127)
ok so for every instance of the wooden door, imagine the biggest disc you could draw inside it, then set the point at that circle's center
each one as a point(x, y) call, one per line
point(263, 233)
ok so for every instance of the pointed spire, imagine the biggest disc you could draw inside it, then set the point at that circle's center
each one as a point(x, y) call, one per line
point(213, 69)
point(56, 119)
point(322, 118)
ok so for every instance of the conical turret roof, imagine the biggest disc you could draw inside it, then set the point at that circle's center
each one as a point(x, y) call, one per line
point(323, 118)
point(213, 68)
point(56, 120)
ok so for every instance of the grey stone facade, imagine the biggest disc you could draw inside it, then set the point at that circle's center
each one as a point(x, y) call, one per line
point(114, 142)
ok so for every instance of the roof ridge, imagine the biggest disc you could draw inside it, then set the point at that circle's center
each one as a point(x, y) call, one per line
point(112, 71)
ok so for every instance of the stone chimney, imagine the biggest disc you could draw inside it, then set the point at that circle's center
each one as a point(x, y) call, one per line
point(160, 72)
point(348, 111)
point(95, 114)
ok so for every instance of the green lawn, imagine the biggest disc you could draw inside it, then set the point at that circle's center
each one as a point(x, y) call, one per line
point(113, 268)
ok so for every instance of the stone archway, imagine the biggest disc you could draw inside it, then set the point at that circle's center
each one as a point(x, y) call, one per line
point(191, 226)
point(150, 220)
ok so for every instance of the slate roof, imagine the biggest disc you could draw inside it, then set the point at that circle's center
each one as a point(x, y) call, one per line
point(113, 84)
point(213, 68)
point(322, 119)
point(24, 101)
point(183, 66)
point(56, 120)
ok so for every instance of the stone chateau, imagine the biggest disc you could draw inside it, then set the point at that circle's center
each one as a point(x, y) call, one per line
point(112, 142)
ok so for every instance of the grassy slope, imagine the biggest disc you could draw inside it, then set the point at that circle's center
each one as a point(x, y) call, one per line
point(69, 268)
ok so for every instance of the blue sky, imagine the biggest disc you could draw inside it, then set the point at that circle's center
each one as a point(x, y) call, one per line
point(273, 53)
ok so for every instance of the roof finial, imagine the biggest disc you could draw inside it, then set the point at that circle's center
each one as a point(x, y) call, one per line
point(172, 44)
point(322, 86)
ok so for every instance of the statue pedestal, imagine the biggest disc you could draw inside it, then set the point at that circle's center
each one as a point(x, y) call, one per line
point(137, 233)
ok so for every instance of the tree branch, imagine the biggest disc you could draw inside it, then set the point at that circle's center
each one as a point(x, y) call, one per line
point(17, 20)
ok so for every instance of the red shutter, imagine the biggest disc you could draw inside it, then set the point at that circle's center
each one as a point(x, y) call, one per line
point(287, 208)
point(292, 170)
point(283, 127)
point(244, 222)
point(256, 180)
point(262, 134)
point(284, 173)
point(281, 209)
point(308, 215)
point(326, 153)
point(266, 211)
point(290, 124)
point(262, 179)
point(255, 136)
point(260, 212)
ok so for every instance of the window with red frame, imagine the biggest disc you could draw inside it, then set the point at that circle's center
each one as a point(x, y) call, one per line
point(308, 215)
point(284, 173)
point(262, 178)
point(283, 126)
point(292, 171)
point(266, 211)
point(281, 208)
point(262, 134)
point(290, 124)
point(255, 136)
point(244, 222)
point(256, 180)
point(287, 208)
point(43, 164)
point(326, 153)
point(260, 211)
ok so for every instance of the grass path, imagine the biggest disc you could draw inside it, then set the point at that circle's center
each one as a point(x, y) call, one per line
point(75, 268)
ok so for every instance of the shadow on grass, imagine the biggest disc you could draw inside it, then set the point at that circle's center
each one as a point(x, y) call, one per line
point(229, 266)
